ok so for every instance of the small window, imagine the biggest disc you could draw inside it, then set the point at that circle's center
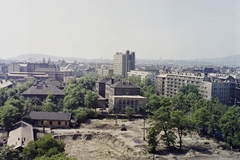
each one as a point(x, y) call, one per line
point(65, 123)
point(41, 122)
point(59, 123)
point(50, 122)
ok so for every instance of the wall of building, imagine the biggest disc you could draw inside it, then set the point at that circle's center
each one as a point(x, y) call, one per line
point(52, 123)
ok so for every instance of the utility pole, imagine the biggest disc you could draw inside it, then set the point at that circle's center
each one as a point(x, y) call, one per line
point(144, 121)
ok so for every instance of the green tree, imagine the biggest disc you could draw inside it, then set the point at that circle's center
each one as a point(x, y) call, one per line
point(216, 110)
point(23, 87)
point(9, 116)
point(45, 146)
point(129, 112)
point(160, 120)
point(135, 79)
point(91, 100)
point(201, 118)
point(82, 114)
point(49, 105)
point(186, 89)
point(3, 96)
point(182, 123)
point(8, 153)
point(152, 140)
point(153, 103)
point(229, 124)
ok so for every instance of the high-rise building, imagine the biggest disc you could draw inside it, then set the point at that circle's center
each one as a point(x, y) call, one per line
point(123, 63)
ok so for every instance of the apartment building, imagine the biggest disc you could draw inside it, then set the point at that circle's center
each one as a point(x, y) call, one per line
point(143, 75)
point(209, 87)
point(168, 84)
point(223, 88)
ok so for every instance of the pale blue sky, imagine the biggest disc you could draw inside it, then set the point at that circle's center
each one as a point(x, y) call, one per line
point(170, 29)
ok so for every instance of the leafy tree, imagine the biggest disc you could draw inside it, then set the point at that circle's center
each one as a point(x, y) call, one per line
point(49, 105)
point(82, 114)
point(45, 146)
point(8, 153)
point(182, 123)
point(216, 109)
point(3, 96)
point(186, 89)
point(16, 102)
point(153, 103)
point(91, 100)
point(129, 112)
point(152, 140)
point(9, 116)
point(229, 124)
point(160, 120)
point(23, 87)
point(186, 99)
point(135, 79)
point(201, 117)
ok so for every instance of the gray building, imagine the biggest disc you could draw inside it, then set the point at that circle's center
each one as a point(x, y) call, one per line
point(223, 88)
point(123, 63)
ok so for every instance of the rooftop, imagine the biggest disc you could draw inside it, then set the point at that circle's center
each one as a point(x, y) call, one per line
point(50, 116)
point(21, 134)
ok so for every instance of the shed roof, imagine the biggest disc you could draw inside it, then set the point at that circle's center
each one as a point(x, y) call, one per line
point(50, 116)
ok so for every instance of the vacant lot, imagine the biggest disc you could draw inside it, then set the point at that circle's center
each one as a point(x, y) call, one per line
point(103, 139)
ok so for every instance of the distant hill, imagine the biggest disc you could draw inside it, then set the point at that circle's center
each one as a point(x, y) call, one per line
point(233, 61)
point(39, 57)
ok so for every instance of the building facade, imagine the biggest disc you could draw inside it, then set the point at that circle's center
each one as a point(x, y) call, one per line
point(123, 63)
point(223, 88)
point(143, 75)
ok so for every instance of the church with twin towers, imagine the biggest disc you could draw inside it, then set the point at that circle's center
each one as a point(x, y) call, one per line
point(123, 63)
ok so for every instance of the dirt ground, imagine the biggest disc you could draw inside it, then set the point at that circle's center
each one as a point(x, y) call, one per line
point(104, 140)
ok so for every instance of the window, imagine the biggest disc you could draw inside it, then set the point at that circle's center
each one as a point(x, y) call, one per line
point(59, 123)
point(41, 122)
point(50, 122)
point(66, 124)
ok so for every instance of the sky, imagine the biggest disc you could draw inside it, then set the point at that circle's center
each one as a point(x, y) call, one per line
point(153, 29)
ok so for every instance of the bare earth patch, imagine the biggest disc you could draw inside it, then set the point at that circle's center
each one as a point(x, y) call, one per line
point(104, 140)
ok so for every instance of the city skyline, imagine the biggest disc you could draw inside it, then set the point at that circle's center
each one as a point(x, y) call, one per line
point(94, 29)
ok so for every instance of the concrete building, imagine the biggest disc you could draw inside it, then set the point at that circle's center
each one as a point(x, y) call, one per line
point(223, 88)
point(119, 103)
point(120, 94)
point(36, 70)
point(168, 84)
point(123, 63)
point(143, 75)
point(105, 70)
point(20, 135)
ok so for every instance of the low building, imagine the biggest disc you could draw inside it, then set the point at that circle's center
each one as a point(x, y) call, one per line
point(5, 84)
point(52, 119)
point(42, 89)
point(20, 135)
point(119, 103)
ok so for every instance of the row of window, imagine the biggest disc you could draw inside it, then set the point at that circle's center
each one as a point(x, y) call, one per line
point(50, 123)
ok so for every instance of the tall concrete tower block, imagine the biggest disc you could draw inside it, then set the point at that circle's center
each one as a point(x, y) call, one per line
point(123, 63)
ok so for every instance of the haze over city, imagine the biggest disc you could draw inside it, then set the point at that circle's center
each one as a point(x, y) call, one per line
point(154, 29)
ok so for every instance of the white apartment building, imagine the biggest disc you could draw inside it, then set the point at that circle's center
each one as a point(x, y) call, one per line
point(143, 75)
point(223, 88)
